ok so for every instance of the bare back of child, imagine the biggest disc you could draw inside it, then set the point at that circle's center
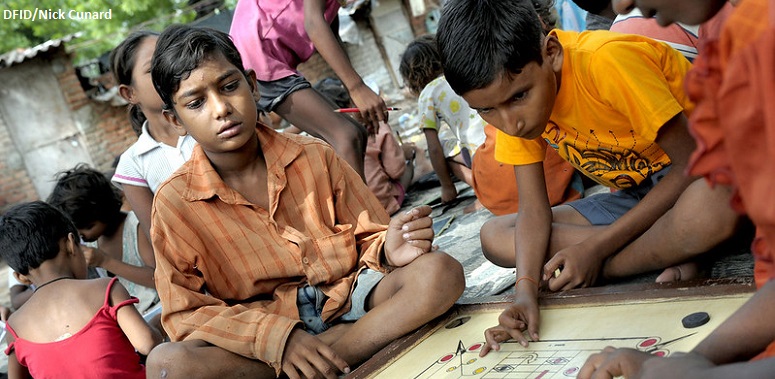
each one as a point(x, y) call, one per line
point(69, 320)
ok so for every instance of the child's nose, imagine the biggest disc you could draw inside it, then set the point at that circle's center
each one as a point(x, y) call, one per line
point(221, 106)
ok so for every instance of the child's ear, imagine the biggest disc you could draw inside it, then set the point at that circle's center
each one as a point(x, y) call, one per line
point(126, 92)
point(553, 52)
point(173, 119)
point(22, 279)
point(72, 243)
point(250, 75)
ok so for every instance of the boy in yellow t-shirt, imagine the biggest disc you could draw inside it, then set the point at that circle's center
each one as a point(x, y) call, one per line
point(614, 107)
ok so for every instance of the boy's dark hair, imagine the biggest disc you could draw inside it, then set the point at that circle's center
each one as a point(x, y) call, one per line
point(122, 62)
point(86, 196)
point(334, 90)
point(30, 234)
point(420, 63)
point(481, 39)
point(181, 49)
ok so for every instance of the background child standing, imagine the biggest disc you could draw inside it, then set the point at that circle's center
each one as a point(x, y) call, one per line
point(274, 37)
point(69, 327)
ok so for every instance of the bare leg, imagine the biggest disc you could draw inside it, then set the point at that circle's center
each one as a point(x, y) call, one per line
point(312, 113)
point(404, 300)
point(198, 359)
point(422, 165)
point(460, 170)
point(700, 220)
point(569, 228)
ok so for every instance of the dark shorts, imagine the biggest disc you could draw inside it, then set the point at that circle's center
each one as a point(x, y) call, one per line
point(275, 92)
point(310, 301)
point(605, 208)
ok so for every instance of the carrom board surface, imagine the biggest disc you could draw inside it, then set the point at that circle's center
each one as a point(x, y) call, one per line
point(569, 334)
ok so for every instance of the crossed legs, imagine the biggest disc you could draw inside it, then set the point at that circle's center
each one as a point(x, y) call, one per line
point(700, 220)
point(404, 300)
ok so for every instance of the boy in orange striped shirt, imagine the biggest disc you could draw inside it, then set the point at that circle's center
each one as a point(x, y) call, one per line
point(272, 254)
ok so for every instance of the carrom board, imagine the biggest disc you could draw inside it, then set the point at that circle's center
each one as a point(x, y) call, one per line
point(569, 334)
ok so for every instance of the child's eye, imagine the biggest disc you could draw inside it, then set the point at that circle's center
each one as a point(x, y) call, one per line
point(484, 111)
point(231, 86)
point(194, 104)
point(519, 96)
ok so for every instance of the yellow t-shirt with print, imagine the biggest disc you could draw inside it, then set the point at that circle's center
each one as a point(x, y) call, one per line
point(616, 92)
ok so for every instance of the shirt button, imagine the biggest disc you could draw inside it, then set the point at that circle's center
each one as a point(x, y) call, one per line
point(305, 260)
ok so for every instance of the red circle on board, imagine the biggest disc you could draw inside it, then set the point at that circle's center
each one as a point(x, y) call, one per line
point(446, 358)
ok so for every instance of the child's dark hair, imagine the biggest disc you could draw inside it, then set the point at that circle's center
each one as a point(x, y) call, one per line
point(181, 49)
point(481, 39)
point(122, 62)
point(86, 196)
point(420, 63)
point(30, 234)
point(334, 90)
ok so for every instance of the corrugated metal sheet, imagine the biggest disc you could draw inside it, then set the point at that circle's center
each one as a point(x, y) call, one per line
point(17, 56)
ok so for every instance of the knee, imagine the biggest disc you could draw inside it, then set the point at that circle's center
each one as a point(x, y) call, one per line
point(492, 238)
point(352, 134)
point(169, 360)
point(700, 233)
point(442, 274)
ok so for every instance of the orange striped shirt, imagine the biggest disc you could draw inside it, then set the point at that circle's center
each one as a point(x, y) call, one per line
point(227, 271)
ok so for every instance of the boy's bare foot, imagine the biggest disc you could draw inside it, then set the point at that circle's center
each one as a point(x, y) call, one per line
point(684, 271)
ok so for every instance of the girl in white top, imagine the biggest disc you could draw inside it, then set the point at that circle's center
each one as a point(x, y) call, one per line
point(159, 150)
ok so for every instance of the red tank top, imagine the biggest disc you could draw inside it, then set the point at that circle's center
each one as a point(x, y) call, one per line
point(99, 350)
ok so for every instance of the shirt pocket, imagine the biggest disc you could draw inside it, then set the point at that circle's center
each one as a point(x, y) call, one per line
point(335, 256)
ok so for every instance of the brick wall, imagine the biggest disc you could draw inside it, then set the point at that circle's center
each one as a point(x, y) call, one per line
point(105, 129)
point(15, 185)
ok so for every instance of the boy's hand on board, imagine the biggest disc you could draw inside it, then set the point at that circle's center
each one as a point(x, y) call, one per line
point(518, 317)
point(409, 235)
point(579, 267)
point(612, 362)
point(306, 356)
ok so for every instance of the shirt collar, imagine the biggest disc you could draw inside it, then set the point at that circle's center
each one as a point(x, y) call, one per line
point(203, 182)
point(145, 142)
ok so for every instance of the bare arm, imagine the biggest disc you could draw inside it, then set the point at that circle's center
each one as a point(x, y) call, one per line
point(142, 275)
point(16, 370)
point(142, 336)
point(373, 108)
point(533, 226)
point(19, 295)
point(744, 334)
point(141, 200)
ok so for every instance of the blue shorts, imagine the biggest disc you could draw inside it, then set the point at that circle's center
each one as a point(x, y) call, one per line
point(275, 92)
point(310, 301)
point(605, 208)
